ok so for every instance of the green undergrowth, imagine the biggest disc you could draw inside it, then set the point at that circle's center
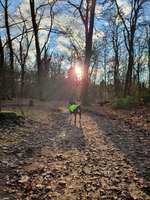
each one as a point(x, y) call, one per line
point(125, 103)
point(130, 102)
point(146, 98)
point(10, 115)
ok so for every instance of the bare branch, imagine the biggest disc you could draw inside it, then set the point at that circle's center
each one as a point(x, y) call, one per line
point(51, 24)
point(122, 19)
point(79, 10)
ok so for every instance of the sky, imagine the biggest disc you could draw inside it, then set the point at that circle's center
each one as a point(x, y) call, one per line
point(124, 4)
point(13, 4)
point(147, 12)
point(60, 43)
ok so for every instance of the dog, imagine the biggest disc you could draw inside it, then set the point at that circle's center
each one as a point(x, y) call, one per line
point(75, 109)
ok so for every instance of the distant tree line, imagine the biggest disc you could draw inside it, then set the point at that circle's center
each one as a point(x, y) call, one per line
point(115, 63)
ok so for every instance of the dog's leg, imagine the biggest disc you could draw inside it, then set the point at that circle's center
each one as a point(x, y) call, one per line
point(80, 119)
point(71, 118)
point(75, 115)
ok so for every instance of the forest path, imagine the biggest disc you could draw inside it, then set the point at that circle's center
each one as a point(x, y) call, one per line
point(59, 161)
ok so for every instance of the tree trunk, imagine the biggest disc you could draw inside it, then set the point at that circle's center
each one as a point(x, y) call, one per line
point(37, 45)
point(22, 80)
point(116, 61)
point(128, 81)
point(11, 54)
point(85, 82)
point(116, 75)
point(138, 77)
point(22, 64)
point(149, 58)
point(89, 25)
point(1, 71)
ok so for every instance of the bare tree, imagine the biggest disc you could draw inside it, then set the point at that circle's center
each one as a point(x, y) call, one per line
point(24, 46)
point(114, 29)
point(37, 44)
point(39, 49)
point(129, 36)
point(87, 15)
point(139, 66)
point(11, 54)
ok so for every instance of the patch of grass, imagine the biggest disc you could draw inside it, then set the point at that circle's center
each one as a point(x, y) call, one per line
point(10, 115)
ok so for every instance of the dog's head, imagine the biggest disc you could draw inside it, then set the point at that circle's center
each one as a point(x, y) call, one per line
point(71, 103)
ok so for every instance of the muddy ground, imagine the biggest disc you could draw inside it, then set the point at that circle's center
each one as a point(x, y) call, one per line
point(48, 158)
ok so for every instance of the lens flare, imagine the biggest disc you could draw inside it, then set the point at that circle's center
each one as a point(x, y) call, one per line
point(79, 72)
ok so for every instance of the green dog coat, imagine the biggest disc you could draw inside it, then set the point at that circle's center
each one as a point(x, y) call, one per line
point(73, 107)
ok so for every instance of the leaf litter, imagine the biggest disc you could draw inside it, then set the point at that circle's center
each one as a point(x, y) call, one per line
point(56, 160)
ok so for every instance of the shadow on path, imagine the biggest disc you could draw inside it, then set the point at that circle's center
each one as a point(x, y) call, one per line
point(67, 136)
point(135, 145)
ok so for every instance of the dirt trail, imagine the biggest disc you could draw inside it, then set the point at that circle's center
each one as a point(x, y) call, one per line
point(58, 161)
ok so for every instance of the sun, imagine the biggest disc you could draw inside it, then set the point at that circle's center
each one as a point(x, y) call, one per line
point(78, 72)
